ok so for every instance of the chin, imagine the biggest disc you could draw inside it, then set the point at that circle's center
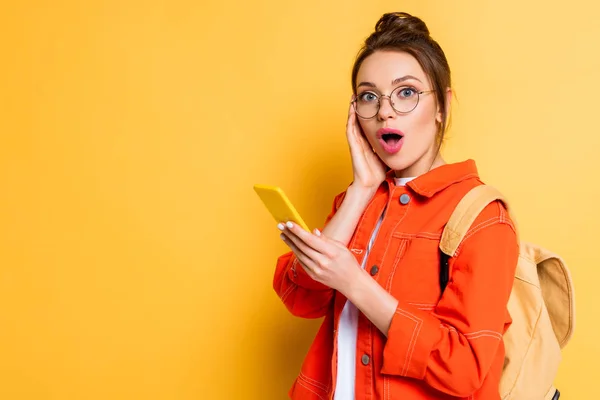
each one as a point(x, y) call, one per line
point(402, 161)
point(398, 161)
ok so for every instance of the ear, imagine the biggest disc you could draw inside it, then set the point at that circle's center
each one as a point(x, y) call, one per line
point(438, 115)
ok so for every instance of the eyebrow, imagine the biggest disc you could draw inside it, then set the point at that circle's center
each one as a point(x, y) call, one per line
point(394, 82)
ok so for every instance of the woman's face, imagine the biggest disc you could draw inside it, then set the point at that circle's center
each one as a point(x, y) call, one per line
point(405, 141)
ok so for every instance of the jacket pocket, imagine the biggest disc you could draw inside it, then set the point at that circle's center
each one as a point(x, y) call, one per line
point(416, 277)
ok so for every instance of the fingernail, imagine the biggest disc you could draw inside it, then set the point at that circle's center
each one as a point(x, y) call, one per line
point(290, 225)
point(317, 232)
point(280, 226)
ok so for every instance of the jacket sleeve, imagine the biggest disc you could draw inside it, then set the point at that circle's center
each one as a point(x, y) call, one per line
point(453, 347)
point(303, 296)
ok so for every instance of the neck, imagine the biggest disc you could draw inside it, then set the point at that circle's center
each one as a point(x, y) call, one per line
point(422, 166)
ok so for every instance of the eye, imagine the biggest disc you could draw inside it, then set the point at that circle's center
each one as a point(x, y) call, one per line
point(406, 92)
point(367, 97)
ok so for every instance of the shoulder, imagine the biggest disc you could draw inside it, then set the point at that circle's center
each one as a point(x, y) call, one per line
point(494, 213)
point(493, 223)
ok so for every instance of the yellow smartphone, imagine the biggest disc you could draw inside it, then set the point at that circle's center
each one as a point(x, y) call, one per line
point(278, 204)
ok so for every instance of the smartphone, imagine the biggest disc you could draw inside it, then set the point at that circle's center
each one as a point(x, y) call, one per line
point(278, 204)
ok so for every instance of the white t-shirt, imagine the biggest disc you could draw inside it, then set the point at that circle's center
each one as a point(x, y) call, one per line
point(347, 329)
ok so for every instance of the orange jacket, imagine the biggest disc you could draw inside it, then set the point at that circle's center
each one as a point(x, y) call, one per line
point(438, 347)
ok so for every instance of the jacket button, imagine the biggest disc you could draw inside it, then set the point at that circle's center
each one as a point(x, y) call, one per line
point(365, 359)
point(404, 199)
point(374, 270)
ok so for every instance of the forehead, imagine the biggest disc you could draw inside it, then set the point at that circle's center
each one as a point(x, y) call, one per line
point(382, 67)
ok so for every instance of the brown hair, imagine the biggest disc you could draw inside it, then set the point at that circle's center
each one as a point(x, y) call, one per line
point(400, 31)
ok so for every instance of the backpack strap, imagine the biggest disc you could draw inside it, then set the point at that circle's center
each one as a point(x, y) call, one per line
point(463, 216)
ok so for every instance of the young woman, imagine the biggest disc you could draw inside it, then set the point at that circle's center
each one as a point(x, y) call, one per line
point(373, 271)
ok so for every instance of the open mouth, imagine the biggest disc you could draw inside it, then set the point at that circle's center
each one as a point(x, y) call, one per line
point(391, 139)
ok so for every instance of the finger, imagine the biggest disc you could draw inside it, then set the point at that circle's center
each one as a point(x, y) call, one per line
point(350, 123)
point(351, 108)
point(305, 261)
point(316, 248)
point(310, 272)
point(315, 257)
point(354, 132)
point(333, 243)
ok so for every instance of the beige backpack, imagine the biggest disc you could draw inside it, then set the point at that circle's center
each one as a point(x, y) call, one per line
point(541, 305)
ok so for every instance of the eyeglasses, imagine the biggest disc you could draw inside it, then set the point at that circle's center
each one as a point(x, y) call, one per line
point(403, 100)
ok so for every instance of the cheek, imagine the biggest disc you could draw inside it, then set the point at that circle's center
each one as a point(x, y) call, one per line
point(427, 113)
point(369, 129)
point(423, 124)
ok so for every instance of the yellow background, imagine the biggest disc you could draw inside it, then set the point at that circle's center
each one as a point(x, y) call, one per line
point(135, 259)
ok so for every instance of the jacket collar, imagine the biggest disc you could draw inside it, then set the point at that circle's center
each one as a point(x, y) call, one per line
point(440, 178)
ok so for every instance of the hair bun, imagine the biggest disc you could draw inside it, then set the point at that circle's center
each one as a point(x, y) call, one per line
point(402, 22)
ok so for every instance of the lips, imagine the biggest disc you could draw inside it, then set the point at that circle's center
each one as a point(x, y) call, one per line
point(391, 139)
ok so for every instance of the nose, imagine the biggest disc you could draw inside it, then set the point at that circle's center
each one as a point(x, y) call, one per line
point(386, 110)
